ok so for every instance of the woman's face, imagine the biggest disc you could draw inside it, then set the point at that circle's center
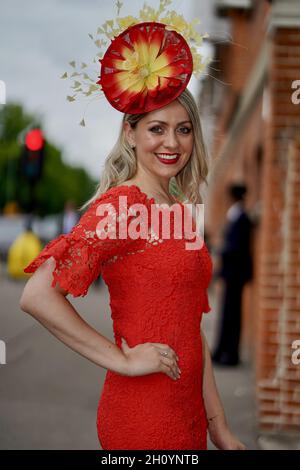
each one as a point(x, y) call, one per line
point(163, 140)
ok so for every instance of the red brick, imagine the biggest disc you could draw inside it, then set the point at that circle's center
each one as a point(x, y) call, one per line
point(276, 186)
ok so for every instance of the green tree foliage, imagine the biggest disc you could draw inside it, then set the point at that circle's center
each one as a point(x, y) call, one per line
point(60, 181)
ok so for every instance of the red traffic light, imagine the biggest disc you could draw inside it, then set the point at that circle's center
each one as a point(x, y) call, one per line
point(34, 140)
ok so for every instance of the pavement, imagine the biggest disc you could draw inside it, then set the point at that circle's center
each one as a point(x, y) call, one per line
point(49, 393)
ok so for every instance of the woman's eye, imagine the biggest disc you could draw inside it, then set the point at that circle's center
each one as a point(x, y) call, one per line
point(155, 128)
point(185, 130)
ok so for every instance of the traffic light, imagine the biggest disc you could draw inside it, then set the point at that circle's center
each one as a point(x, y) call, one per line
point(33, 155)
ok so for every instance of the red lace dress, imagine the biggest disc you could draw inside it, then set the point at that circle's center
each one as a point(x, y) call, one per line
point(158, 293)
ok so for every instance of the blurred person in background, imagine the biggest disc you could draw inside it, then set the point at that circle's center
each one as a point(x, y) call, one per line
point(69, 217)
point(235, 269)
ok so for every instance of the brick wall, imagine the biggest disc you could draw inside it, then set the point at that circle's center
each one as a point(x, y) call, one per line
point(264, 152)
point(278, 380)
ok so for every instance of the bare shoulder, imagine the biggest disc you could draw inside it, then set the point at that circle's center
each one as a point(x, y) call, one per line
point(112, 196)
point(125, 183)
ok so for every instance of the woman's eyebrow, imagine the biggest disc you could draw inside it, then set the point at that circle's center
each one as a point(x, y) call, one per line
point(163, 122)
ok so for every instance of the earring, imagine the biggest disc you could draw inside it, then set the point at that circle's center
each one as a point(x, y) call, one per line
point(132, 146)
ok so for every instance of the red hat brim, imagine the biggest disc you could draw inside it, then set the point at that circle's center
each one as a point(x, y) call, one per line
point(145, 68)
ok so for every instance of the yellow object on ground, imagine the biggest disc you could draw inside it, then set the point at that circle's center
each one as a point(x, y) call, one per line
point(21, 252)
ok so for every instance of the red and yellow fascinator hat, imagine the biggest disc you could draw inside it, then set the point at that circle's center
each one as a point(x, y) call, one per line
point(148, 63)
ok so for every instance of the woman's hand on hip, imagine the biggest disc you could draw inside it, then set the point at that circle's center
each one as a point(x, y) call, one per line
point(149, 358)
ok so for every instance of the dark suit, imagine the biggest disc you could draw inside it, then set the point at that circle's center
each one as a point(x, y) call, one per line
point(236, 270)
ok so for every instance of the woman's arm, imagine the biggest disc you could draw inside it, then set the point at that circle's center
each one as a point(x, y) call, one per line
point(219, 433)
point(50, 307)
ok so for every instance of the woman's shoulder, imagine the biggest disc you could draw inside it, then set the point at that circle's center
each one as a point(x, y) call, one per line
point(131, 191)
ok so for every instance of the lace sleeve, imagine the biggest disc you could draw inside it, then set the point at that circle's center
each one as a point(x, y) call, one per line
point(80, 253)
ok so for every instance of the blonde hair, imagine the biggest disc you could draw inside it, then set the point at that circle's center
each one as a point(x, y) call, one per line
point(120, 165)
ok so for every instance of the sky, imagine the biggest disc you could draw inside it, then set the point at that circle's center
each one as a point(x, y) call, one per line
point(38, 39)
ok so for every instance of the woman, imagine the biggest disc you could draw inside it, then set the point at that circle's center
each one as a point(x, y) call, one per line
point(159, 391)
